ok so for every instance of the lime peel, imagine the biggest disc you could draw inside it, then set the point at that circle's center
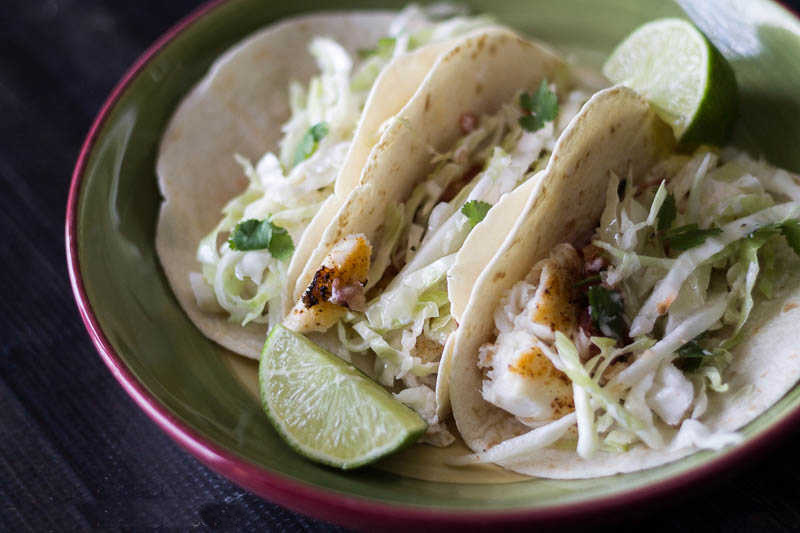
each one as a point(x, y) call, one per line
point(326, 409)
point(685, 78)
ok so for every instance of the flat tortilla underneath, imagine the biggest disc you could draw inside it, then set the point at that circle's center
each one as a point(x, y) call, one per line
point(237, 108)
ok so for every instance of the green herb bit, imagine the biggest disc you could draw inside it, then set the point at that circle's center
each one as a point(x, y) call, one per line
point(692, 355)
point(542, 107)
point(764, 233)
point(790, 229)
point(689, 236)
point(667, 213)
point(606, 309)
point(309, 142)
point(475, 211)
point(319, 131)
point(254, 234)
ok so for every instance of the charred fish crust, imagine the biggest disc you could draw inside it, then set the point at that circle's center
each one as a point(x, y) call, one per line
point(320, 288)
point(336, 286)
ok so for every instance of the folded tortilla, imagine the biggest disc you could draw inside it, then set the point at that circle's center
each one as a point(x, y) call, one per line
point(477, 75)
point(239, 108)
point(615, 132)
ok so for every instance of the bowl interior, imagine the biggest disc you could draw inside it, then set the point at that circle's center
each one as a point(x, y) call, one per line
point(189, 375)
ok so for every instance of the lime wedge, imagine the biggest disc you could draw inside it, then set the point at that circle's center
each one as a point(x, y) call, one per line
point(684, 77)
point(326, 409)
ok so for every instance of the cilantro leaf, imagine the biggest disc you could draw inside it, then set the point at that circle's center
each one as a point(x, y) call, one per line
point(605, 309)
point(308, 144)
point(691, 355)
point(475, 211)
point(693, 349)
point(304, 149)
point(666, 215)
point(764, 233)
point(530, 123)
point(542, 107)
point(254, 234)
point(250, 235)
point(688, 236)
point(318, 131)
point(281, 245)
point(526, 101)
point(791, 230)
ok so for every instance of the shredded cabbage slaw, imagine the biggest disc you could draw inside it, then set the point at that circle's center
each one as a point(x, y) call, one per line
point(688, 285)
point(289, 187)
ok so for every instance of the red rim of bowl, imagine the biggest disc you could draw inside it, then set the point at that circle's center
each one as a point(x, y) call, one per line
point(318, 502)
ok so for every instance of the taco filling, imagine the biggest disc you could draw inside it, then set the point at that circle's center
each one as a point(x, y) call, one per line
point(245, 257)
point(621, 338)
point(406, 321)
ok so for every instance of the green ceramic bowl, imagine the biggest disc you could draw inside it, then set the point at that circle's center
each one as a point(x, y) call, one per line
point(187, 384)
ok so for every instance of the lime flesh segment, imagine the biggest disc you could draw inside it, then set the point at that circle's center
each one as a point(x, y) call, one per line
point(328, 410)
point(685, 78)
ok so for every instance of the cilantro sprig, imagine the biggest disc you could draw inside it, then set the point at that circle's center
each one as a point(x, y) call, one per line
point(541, 107)
point(475, 211)
point(691, 355)
point(790, 229)
point(667, 213)
point(308, 144)
point(606, 309)
point(688, 236)
point(254, 234)
point(683, 237)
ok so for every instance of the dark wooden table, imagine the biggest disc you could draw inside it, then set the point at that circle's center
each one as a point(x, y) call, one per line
point(75, 452)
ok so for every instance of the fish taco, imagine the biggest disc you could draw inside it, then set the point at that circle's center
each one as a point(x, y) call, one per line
point(639, 309)
point(251, 175)
point(378, 282)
